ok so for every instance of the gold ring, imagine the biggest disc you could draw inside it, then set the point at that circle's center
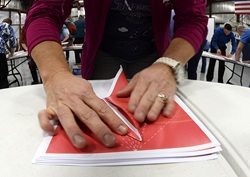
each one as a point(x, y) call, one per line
point(163, 97)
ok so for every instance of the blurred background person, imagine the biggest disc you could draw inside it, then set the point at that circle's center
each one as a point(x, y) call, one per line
point(79, 36)
point(192, 64)
point(222, 35)
point(64, 37)
point(244, 43)
point(204, 59)
point(31, 63)
point(7, 35)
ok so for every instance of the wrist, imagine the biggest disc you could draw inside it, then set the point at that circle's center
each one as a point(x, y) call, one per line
point(47, 76)
point(55, 77)
point(177, 69)
point(50, 60)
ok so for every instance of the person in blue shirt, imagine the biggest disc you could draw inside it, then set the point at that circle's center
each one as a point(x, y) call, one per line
point(222, 35)
point(192, 64)
point(64, 37)
point(7, 35)
point(79, 36)
point(244, 40)
point(204, 59)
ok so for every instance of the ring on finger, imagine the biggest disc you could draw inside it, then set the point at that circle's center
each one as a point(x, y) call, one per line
point(163, 97)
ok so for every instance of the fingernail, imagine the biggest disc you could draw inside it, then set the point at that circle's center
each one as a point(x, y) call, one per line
point(152, 116)
point(132, 108)
point(167, 113)
point(140, 115)
point(122, 129)
point(52, 133)
point(78, 141)
point(109, 140)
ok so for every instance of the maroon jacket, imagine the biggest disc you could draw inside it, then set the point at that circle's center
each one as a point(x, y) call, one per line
point(45, 19)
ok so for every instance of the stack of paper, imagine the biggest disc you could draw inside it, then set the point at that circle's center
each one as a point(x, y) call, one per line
point(179, 138)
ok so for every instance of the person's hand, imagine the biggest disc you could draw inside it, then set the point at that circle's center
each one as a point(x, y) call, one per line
point(229, 55)
point(11, 54)
point(144, 88)
point(70, 42)
point(218, 51)
point(69, 96)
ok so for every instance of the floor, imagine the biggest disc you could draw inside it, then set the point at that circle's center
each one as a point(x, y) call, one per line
point(26, 75)
point(234, 80)
point(27, 79)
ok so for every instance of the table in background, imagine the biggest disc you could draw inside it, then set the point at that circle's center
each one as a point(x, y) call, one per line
point(13, 70)
point(72, 47)
point(228, 60)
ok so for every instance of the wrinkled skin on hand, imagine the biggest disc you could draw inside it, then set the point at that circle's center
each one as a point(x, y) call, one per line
point(69, 96)
point(144, 88)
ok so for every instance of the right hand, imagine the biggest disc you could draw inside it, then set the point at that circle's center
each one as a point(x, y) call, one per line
point(69, 96)
point(218, 51)
point(144, 88)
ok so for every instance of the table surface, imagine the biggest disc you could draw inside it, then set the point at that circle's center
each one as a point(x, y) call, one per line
point(226, 59)
point(19, 54)
point(222, 108)
point(72, 47)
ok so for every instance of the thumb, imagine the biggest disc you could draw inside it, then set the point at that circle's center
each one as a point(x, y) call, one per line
point(126, 91)
point(45, 116)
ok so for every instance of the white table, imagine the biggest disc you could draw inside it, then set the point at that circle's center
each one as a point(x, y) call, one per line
point(13, 70)
point(224, 109)
point(21, 135)
point(235, 63)
point(72, 47)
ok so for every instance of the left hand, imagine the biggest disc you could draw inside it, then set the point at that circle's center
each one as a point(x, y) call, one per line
point(218, 51)
point(11, 54)
point(229, 55)
point(144, 88)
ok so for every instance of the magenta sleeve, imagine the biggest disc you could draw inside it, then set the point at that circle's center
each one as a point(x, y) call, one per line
point(44, 21)
point(191, 21)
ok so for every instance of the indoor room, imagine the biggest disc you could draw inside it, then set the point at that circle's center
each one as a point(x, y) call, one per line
point(117, 88)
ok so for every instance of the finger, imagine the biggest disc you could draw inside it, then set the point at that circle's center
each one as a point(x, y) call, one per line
point(169, 108)
point(134, 92)
point(70, 126)
point(91, 119)
point(156, 108)
point(45, 116)
point(109, 117)
point(104, 112)
point(126, 91)
point(95, 115)
point(150, 105)
point(138, 92)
